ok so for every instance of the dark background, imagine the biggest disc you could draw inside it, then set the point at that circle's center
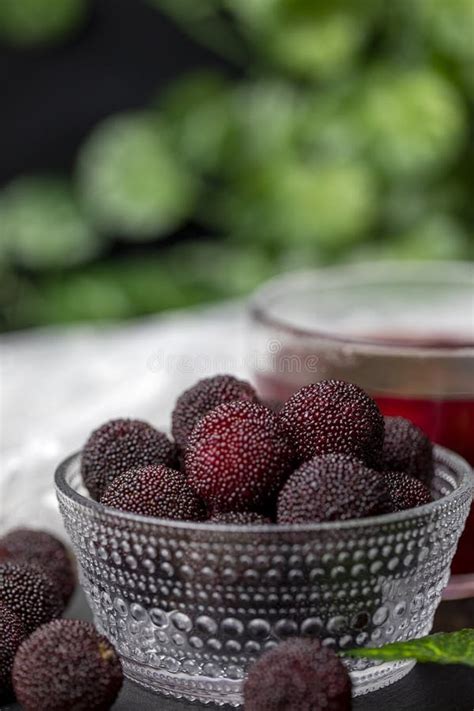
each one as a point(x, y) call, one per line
point(51, 98)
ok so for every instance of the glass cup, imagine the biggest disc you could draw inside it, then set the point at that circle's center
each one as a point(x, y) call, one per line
point(402, 331)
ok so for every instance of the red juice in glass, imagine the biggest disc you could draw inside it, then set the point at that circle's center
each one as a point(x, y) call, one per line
point(451, 424)
point(402, 331)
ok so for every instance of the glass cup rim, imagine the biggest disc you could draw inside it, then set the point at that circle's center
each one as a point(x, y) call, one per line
point(361, 273)
point(441, 455)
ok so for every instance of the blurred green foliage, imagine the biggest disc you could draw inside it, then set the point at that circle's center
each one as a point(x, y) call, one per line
point(181, 276)
point(317, 40)
point(129, 179)
point(448, 26)
point(41, 225)
point(347, 135)
point(27, 23)
point(413, 120)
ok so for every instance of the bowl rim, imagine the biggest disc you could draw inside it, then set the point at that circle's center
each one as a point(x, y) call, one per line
point(442, 455)
point(360, 273)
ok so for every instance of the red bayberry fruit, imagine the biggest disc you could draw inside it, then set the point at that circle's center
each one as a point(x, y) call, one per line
point(12, 634)
point(298, 675)
point(41, 549)
point(30, 594)
point(204, 396)
point(121, 445)
point(238, 457)
point(407, 449)
point(156, 491)
point(405, 491)
point(334, 417)
point(67, 666)
point(332, 487)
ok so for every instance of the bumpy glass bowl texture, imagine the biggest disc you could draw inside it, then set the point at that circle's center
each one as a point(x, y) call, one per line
point(190, 606)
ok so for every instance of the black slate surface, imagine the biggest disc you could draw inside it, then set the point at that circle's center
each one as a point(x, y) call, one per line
point(427, 687)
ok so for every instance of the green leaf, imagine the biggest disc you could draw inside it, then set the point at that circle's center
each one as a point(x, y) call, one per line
point(442, 648)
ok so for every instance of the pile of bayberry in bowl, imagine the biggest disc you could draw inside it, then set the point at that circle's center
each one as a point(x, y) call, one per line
point(320, 521)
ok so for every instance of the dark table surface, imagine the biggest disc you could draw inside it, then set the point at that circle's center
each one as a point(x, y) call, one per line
point(427, 687)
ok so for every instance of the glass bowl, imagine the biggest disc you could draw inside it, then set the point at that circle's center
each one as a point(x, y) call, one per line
point(190, 605)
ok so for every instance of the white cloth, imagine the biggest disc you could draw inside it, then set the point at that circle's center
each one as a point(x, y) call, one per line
point(59, 384)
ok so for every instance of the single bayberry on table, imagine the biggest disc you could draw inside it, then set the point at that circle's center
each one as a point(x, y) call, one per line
point(238, 457)
point(405, 491)
point(67, 666)
point(334, 417)
point(298, 675)
point(118, 446)
point(155, 490)
point(30, 594)
point(41, 549)
point(204, 396)
point(407, 449)
point(332, 487)
point(12, 634)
